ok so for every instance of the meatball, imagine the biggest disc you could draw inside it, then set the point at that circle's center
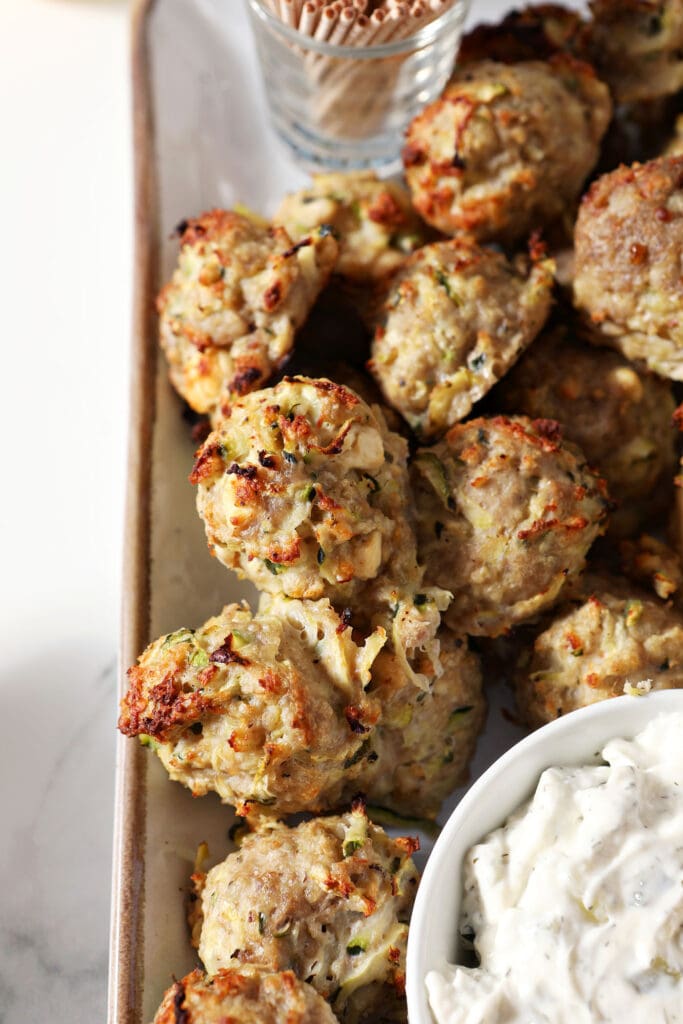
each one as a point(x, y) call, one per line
point(651, 562)
point(532, 33)
point(621, 419)
point(373, 220)
point(329, 899)
point(629, 250)
point(637, 47)
point(675, 144)
point(600, 645)
point(507, 147)
point(426, 734)
point(228, 316)
point(267, 710)
point(248, 994)
point(506, 513)
point(304, 491)
point(456, 318)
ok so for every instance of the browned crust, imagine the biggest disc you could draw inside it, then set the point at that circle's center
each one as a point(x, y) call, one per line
point(126, 942)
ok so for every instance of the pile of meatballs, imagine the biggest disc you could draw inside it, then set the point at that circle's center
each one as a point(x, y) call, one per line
point(440, 437)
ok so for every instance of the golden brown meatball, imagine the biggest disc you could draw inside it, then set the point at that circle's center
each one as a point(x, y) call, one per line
point(507, 147)
point(248, 995)
point(229, 313)
point(267, 710)
point(506, 513)
point(372, 219)
point(456, 318)
point(629, 249)
point(621, 419)
point(637, 47)
point(329, 900)
point(426, 734)
point(675, 144)
point(304, 491)
point(614, 639)
point(650, 561)
point(536, 32)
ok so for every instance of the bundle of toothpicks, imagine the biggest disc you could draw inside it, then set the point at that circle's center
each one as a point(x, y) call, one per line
point(352, 98)
point(357, 22)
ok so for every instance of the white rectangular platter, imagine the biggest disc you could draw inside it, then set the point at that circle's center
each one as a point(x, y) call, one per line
point(201, 141)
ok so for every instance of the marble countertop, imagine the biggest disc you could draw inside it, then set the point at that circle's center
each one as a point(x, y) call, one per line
point(66, 274)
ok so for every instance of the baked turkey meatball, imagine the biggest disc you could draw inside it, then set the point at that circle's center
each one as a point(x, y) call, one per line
point(675, 145)
point(536, 32)
point(621, 419)
point(267, 710)
point(329, 900)
point(506, 513)
point(303, 490)
point(652, 563)
point(507, 147)
point(600, 645)
point(426, 734)
point(373, 220)
point(228, 315)
point(637, 47)
point(629, 252)
point(456, 318)
point(248, 995)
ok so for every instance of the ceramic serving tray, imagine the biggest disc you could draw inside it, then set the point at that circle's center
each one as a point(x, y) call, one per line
point(201, 140)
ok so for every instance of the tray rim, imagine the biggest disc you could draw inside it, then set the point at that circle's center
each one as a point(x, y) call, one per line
point(124, 1000)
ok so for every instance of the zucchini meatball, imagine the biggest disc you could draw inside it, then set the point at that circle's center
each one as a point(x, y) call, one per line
point(373, 220)
point(675, 144)
point(604, 643)
point(507, 147)
point(506, 513)
point(637, 47)
point(456, 318)
point(267, 710)
point(329, 900)
point(228, 315)
point(621, 419)
point(304, 491)
point(426, 734)
point(532, 33)
point(249, 994)
point(629, 251)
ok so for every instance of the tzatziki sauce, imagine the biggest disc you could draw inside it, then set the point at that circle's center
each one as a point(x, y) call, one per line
point(575, 905)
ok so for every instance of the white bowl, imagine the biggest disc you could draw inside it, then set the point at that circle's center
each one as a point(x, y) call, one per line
point(576, 739)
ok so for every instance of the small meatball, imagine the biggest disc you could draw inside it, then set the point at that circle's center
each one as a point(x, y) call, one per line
point(329, 900)
point(621, 419)
point(228, 316)
point(506, 513)
point(610, 641)
point(637, 47)
point(651, 562)
point(373, 220)
point(675, 145)
point(532, 33)
point(248, 995)
point(267, 710)
point(304, 491)
point(456, 318)
point(629, 251)
point(426, 734)
point(507, 147)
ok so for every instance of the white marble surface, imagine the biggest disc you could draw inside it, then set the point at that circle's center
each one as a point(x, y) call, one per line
point(65, 182)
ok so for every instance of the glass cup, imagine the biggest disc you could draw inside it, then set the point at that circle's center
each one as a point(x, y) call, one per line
point(340, 107)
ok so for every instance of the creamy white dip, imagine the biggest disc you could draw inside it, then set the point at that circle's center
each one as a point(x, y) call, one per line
point(576, 903)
